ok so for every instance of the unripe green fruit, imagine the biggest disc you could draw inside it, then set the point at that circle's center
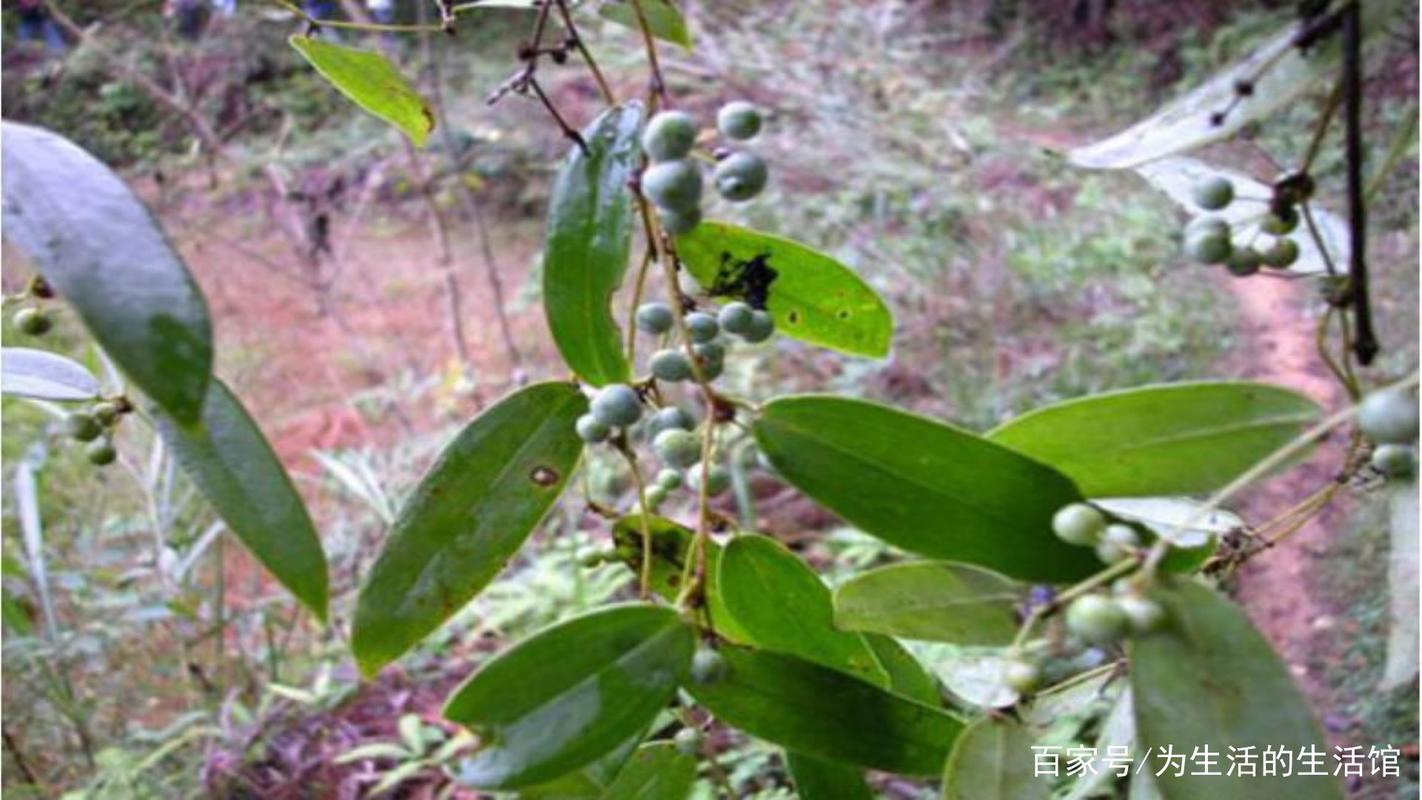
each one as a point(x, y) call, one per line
point(1113, 548)
point(610, 483)
point(1078, 524)
point(1394, 460)
point(591, 429)
point(738, 120)
point(1207, 226)
point(1213, 194)
point(1021, 676)
point(711, 370)
point(81, 426)
point(617, 405)
point(761, 328)
point(1282, 255)
point(677, 222)
point(105, 412)
point(702, 326)
point(655, 318)
point(677, 448)
point(687, 741)
point(709, 352)
point(741, 176)
point(668, 418)
point(718, 479)
point(708, 667)
point(669, 479)
point(100, 452)
point(1144, 615)
point(1208, 248)
point(675, 185)
point(1097, 619)
point(1388, 417)
point(671, 366)
point(1280, 225)
point(669, 135)
point(735, 317)
point(656, 495)
point(32, 321)
point(1244, 261)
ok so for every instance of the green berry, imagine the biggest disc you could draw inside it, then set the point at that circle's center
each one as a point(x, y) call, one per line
point(668, 418)
point(761, 328)
point(100, 452)
point(1117, 542)
point(1208, 248)
point(617, 406)
point(708, 667)
point(1388, 417)
point(688, 741)
point(105, 412)
point(591, 429)
point(738, 120)
point(1213, 194)
point(709, 352)
point(702, 326)
point(1022, 676)
point(655, 318)
point(1279, 225)
point(1207, 226)
point(81, 426)
point(1078, 524)
point(670, 479)
point(674, 185)
point(671, 366)
point(1394, 460)
point(718, 479)
point(32, 321)
point(1144, 616)
point(1244, 261)
point(1282, 255)
point(656, 495)
point(1097, 619)
point(740, 176)
point(678, 222)
point(735, 317)
point(677, 448)
point(710, 370)
point(669, 135)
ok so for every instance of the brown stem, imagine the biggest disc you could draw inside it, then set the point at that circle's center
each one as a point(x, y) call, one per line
point(1365, 344)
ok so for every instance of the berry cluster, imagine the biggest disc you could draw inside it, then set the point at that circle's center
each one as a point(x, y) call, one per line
point(94, 427)
point(1209, 239)
point(673, 180)
point(1389, 419)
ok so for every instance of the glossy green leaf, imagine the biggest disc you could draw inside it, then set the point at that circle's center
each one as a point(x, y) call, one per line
point(1118, 729)
point(1209, 678)
point(655, 771)
point(907, 675)
point(370, 81)
point(823, 712)
point(469, 515)
point(230, 461)
point(670, 545)
point(1400, 665)
point(822, 779)
point(1178, 520)
point(973, 677)
point(993, 760)
point(1180, 438)
point(812, 297)
point(42, 375)
point(932, 600)
point(923, 485)
point(570, 694)
point(100, 249)
point(782, 604)
point(589, 782)
point(664, 19)
point(590, 220)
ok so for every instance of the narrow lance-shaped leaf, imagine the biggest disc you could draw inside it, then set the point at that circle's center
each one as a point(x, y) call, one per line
point(820, 779)
point(812, 297)
point(101, 250)
point(656, 771)
point(994, 760)
point(589, 240)
point(371, 82)
point(469, 515)
point(1181, 438)
point(782, 604)
point(1210, 678)
point(43, 375)
point(570, 694)
point(923, 485)
point(231, 462)
point(933, 600)
point(664, 19)
point(823, 712)
point(671, 548)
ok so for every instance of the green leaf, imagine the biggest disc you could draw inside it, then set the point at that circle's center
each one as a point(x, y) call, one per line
point(993, 760)
point(655, 772)
point(812, 297)
point(925, 486)
point(570, 694)
point(230, 461)
point(664, 19)
point(906, 675)
point(670, 546)
point(44, 376)
point(821, 779)
point(1168, 518)
point(780, 602)
point(371, 82)
point(1118, 730)
point(490, 488)
point(1209, 678)
point(589, 238)
point(1179, 438)
point(589, 782)
point(375, 751)
point(101, 250)
point(823, 712)
point(1400, 665)
point(973, 677)
point(932, 600)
